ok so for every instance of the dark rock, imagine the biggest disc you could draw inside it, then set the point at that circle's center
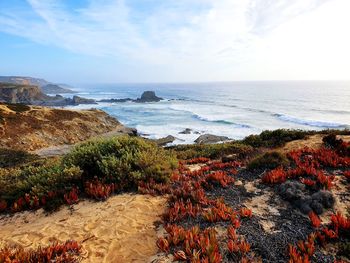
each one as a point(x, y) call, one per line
point(116, 100)
point(80, 100)
point(131, 131)
point(317, 207)
point(165, 140)
point(148, 96)
point(209, 138)
point(186, 131)
point(295, 192)
point(324, 197)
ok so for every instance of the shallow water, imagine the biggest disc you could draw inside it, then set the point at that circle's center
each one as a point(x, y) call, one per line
point(234, 109)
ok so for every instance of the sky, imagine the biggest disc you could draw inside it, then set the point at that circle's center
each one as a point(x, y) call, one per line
point(106, 41)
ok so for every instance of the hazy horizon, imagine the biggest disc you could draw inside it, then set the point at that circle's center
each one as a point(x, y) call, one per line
point(119, 41)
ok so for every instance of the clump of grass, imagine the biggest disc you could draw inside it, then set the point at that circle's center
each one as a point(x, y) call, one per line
point(275, 138)
point(213, 151)
point(269, 160)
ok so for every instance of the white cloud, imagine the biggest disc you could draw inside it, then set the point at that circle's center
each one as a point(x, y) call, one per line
point(192, 39)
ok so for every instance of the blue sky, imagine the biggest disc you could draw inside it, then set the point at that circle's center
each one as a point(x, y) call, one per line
point(175, 40)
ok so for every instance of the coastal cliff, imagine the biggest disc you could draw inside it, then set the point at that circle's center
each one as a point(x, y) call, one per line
point(45, 86)
point(16, 93)
point(32, 127)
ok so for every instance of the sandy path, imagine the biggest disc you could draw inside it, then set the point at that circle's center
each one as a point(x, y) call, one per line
point(120, 229)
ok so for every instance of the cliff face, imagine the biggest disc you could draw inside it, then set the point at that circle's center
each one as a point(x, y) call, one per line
point(14, 93)
point(31, 127)
point(27, 94)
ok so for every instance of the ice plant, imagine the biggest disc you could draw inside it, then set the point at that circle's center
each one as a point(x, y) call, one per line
point(246, 212)
point(163, 244)
point(275, 176)
point(315, 220)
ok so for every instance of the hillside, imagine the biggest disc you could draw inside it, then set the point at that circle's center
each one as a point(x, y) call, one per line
point(55, 89)
point(45, 86)
point(31, 127)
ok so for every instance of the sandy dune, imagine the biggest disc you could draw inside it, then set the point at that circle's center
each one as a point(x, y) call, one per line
point(120, 229)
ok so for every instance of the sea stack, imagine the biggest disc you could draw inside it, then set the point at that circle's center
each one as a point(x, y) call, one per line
point(148, 96)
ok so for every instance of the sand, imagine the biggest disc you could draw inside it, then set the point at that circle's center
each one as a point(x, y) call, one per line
point(121, 229)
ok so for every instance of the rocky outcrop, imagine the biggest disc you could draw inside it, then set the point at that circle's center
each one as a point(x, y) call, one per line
point(42, 127)
point(80, 100)
point(14, 93)
point(164, 141)
point(148, 96)
point(188, 131)
point(116, 100)
point(32, 95)
point(210, 138)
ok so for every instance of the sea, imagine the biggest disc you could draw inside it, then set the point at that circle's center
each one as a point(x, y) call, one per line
point(232, 109)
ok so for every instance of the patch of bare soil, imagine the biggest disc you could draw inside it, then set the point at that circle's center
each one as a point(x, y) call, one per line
point(121, 229)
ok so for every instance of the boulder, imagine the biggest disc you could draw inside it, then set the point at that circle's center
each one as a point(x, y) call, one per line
point(148, 96)
point(210, 138)
point(164, 141)
point(186, 131)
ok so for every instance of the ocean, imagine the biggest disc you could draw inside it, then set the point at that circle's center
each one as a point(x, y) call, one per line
point(233, 109)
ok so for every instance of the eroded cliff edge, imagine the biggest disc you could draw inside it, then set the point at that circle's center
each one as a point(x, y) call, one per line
point(31, 128)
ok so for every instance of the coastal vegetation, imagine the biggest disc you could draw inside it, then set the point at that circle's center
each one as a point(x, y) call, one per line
point(268, 160)
point(96, 169)
point(213, 151)
point(228, 202)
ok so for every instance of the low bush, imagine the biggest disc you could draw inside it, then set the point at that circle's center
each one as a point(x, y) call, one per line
point(96, 168)
point(213, 151)
point(275, 138)
point(269, 160)
point(124, 161)
point(36, 183)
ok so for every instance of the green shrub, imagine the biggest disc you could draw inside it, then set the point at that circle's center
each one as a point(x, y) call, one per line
point(122, 160)
point(36, 181)
point(11, 158)
point(275, 138)
point(269, 160)
point(185, 152)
